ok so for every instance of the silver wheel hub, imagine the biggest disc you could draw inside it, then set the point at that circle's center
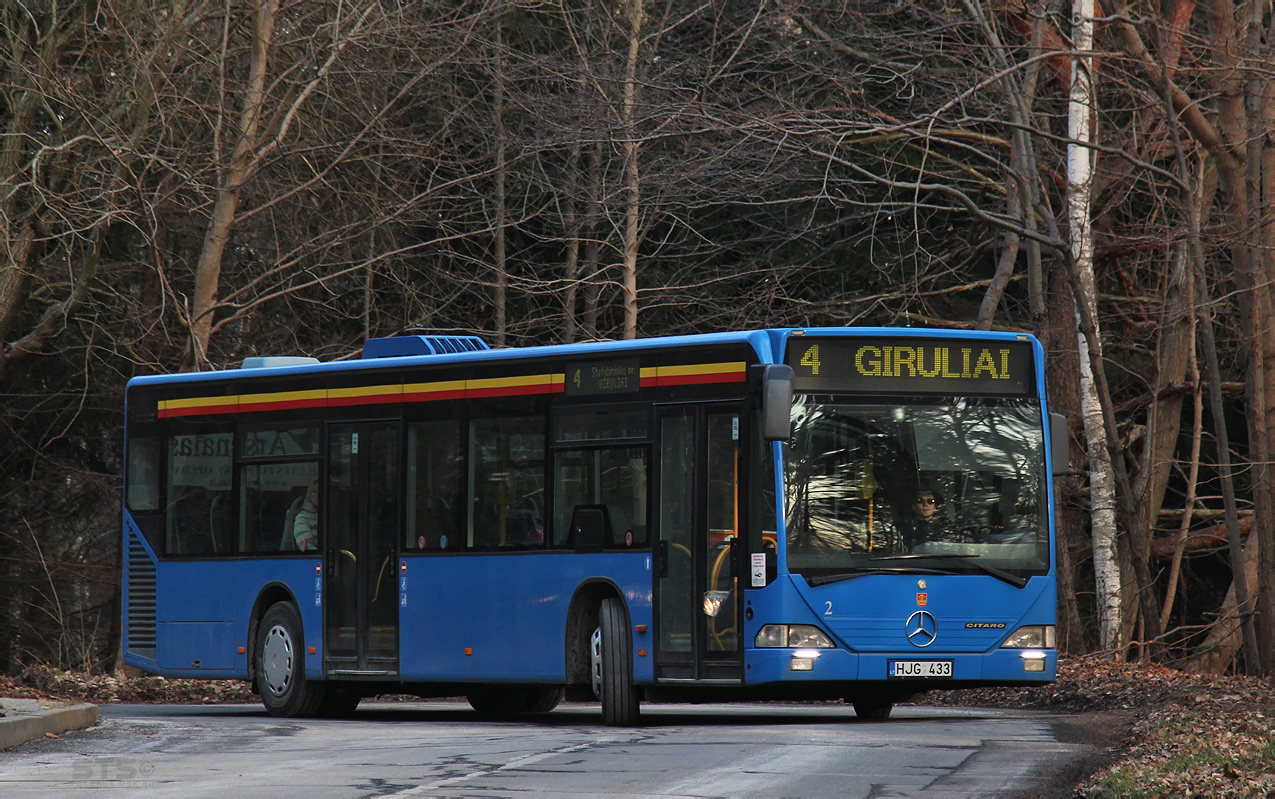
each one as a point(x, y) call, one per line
point(277, 660)
point(595, 662)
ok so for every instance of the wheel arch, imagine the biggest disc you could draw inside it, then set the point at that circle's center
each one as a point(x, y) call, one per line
point(269, 594)
point(582, 619)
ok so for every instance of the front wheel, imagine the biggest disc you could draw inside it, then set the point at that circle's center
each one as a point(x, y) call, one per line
point(613, 659)
point(280, 665)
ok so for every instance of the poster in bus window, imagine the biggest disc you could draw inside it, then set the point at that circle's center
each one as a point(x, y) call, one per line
point(201, 461)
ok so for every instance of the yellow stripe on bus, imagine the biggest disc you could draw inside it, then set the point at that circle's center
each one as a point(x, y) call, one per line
point(511, 382)
point(197, 402)
point(282, 396)
point(699, 369)
point(365, 391)
point(434, 388)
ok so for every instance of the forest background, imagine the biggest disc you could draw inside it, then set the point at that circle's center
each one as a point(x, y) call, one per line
point(184, 184)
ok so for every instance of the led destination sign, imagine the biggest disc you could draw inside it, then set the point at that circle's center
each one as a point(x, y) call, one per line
point(931, 366)
point(610, 377)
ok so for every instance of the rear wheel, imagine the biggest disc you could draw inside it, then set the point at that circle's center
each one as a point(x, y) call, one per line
point(495, 700)
point(542, 700)
point(280, 664)
point(873, 710)
point(614, 653)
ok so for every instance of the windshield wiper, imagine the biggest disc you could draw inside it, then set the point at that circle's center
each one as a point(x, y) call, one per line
point(824, 579)
point(1000, 574)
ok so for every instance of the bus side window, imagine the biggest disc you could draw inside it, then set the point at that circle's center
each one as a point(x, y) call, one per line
point(613, 476)
point(506, 482)
point(271, 497)
point(433, 486)
point(198, 470)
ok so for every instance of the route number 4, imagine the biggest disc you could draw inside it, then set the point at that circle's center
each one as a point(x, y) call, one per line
point(811, 359)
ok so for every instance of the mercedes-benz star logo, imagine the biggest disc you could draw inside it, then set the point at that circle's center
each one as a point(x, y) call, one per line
point(921, 628)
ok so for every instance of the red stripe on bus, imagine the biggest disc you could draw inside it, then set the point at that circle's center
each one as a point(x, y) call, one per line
point(430, 396)
point(198, 410)
point(687, 380)
point(366, 399)
point(510, 391)
point(282, 405)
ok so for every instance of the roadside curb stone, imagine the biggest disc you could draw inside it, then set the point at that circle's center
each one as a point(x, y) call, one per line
point(27, 719)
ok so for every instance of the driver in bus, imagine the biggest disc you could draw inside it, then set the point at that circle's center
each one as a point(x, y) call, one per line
point(924, 524)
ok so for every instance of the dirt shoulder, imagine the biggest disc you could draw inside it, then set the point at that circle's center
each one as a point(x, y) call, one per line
point(1148, 730)
point(1152, 731)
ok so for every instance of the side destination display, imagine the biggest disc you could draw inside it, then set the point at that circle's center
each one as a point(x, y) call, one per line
point(911, 366)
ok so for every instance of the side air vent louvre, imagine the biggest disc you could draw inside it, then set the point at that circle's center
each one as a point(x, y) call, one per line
point(399, 346)
point(141, 598)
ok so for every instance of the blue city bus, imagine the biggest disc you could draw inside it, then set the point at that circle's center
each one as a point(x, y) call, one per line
point(856, 514)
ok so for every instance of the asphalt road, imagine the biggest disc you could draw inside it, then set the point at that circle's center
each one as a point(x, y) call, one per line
point(436, 749)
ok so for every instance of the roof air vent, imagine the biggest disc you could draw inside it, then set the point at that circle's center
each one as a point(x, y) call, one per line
point(399, 346)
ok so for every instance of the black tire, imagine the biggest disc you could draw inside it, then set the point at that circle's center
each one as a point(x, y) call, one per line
point(498, 700)
point(542, 700)
point(279, 660)
point(338, 703)
point(619, 696)
point(873, 710)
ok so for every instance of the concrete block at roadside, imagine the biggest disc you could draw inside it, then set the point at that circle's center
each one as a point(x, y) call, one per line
point(27, 719)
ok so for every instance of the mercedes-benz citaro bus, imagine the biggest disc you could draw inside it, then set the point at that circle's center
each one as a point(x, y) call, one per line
point(855, 514)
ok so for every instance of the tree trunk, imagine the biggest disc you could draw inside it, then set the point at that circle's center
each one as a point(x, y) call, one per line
point(500, 292)
point(1079, 186)
point(591, 268)
point(632, 186)
point(571, 242)
point(243, 163)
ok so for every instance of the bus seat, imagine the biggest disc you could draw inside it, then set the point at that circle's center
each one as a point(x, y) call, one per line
point(220, 521)
point(288, 543)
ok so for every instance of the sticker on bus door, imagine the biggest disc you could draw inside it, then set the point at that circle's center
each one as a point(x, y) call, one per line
point(759, 570)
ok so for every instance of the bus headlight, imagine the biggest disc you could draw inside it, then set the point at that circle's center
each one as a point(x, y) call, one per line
point(1032, 636)
point(803, 636)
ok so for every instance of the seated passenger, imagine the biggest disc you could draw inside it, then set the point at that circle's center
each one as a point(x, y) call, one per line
point(305, 526)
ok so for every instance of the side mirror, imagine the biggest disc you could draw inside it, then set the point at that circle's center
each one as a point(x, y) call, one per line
point(776, 402)
point(1059, 443)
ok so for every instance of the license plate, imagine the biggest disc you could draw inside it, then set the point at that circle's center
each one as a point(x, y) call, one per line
point(931, 669)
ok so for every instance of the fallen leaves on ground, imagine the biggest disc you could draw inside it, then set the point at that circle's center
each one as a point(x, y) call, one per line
point(45, 683)
point(1194, 735)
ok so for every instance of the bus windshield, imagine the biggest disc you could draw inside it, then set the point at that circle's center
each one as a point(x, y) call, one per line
point(948, 485)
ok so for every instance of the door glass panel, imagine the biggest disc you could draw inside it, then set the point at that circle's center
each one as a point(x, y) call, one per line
point(721, 597)
point(381, 580)
point(342, 543)
point(677, 485)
